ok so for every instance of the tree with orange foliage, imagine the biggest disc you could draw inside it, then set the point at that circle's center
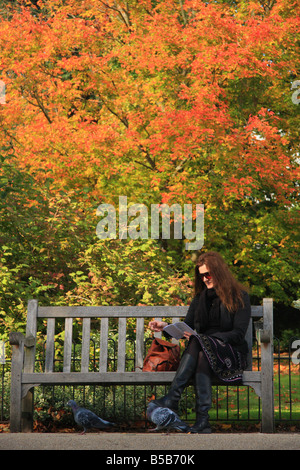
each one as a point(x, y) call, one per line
point(165, 101)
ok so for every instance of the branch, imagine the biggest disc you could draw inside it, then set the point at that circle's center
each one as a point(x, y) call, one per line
point(148, 158)
point(183, 13)
point(41, 106)
point(152, 165)
point(179, 167)
point(39, 103)
point(143, 164)
point(123, 13)
point(10, 135)
point(124, 120)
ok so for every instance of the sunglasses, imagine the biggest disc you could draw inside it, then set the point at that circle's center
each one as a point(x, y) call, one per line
point(203, 275)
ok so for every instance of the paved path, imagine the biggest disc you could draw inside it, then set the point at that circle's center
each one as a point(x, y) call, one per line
point(149, 441)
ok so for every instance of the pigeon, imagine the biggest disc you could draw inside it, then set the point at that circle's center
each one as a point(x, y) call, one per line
point(164, 418)
point(87, 419)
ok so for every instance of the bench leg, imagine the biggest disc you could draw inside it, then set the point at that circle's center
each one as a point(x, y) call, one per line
point(267, 386)
point(27, 411)
point(267, 398)
point(16, 387)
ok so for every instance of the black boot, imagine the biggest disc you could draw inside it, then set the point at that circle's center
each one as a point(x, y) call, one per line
point(203, 404)
point(184, 373)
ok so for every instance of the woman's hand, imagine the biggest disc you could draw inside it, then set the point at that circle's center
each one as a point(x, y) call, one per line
point(187, 335)
point(156, 326)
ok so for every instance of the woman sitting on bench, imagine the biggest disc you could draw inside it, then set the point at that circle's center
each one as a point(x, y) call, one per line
point(220, 314)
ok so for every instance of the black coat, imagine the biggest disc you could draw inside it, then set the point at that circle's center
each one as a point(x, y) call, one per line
point(230, 328)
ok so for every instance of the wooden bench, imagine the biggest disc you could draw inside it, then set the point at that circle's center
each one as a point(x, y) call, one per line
point(24, 376)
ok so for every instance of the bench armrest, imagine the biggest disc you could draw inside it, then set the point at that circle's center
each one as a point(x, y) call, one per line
point(265, 336)
point(16, 339)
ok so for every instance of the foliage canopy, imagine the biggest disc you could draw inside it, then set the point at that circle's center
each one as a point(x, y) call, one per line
point(165, 101)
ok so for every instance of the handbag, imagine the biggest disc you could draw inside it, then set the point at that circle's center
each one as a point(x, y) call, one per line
point(162, 356)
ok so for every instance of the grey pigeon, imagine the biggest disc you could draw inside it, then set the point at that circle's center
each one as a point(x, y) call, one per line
point(164, 418)
point(87, 419)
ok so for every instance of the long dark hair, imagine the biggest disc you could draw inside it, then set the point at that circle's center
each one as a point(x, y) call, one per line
point(228, 289)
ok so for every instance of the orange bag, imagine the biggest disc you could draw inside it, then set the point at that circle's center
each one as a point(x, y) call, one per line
point(162, 356)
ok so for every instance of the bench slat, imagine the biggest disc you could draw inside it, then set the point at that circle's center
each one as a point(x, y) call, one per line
point(157, 334)
point(68, 344)
point(249, 339)
point(85, 351)
point(124, 311)
point(125, 378)
point(121, 345)
point(50, 345)
point(139, 351)
point(175, 320)
point(91, 378)
point(103, 345)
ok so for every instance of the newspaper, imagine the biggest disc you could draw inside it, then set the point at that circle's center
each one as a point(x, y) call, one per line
point(178, 329)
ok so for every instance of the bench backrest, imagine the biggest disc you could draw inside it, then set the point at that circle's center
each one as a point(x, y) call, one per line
point(121, 314)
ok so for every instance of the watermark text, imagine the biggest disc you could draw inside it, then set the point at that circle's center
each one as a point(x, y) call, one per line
point(184, 224)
